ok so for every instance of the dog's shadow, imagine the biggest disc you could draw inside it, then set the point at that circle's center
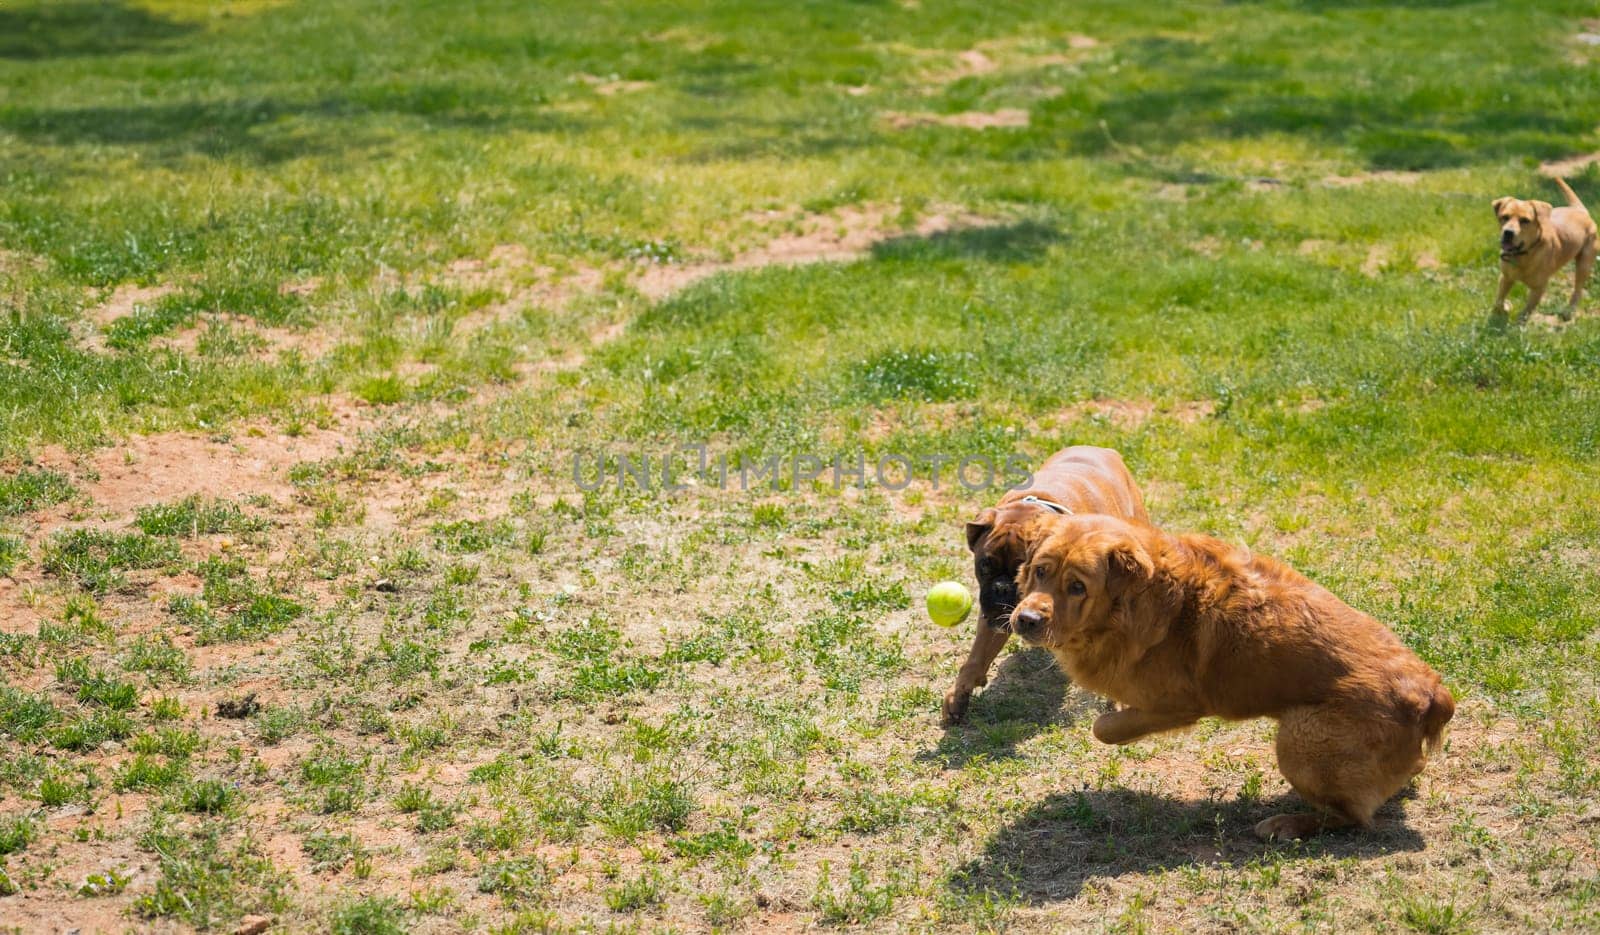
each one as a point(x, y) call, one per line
point(1049, 852)
point(1027, 693)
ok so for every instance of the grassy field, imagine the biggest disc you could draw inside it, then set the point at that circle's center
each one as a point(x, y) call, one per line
point(306, 310)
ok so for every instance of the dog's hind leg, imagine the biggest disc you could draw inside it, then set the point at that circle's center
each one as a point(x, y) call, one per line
point(1345, 766)
point(1580, 278)
point(974, 672)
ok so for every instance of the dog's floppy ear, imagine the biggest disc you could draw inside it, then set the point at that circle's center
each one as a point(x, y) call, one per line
point(1541, 210)
point(1500, 202)
point(979, 527)
point(1127, 564)
point(1146, 609)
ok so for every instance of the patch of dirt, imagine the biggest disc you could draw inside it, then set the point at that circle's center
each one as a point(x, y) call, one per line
point(1005, 118)
point(610, 85)
point(840, 236)
point(1313, 246)
point(511, 270)
point(1390, 176)
point(272, 342)
point(1376, 262)
point(1002, 55)
point(1583, 557)
point(166, 466)
point(1547, 320)
point(1572, 165)
point(12, 261)
point(1129, 414)
point(1265, 185)
point(301, 287)
point(970, 64)
point(45, 909)
point(127, 299)
point(496, 271)
point(551, 290)
point(880, 422)
point(16, 613)
point(686, 38)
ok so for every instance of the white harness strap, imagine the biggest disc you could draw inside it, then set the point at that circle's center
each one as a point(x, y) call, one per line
point(1050, 505)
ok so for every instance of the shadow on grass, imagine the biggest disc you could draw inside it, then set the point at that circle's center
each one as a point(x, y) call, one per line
point(69, 28)
point(1332, 6)
point(1204, 96)
point(1009, 243)
point(1049, 852)
point(264, 129)
point(1027, 693)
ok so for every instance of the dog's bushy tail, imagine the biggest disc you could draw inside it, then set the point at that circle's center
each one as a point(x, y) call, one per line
point(1572, 196)
point(1441, 708)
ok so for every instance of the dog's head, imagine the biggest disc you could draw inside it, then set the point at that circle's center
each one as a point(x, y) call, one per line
point(1001, 539)
point(1520, 223)
point(1078, 579)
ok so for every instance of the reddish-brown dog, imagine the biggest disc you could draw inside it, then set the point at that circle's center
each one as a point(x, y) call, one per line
point(1080, 479)
point(1176, 628)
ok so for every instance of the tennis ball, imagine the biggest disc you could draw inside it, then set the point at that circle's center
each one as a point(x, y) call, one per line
point(949, 603)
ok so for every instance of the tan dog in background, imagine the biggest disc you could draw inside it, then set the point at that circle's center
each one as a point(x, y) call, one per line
point(1536, 241)
point(1080, 479)
point(1179, 628)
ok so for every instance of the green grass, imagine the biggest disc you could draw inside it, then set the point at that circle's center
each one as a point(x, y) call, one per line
point(97, 559)
point(28, 490)
point(194, 516)
point(393, 262)
point(12, 553)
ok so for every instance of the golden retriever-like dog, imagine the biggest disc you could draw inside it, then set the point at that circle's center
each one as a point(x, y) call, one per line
point(1536, 241)
point(1079, 479)
point(1176, 628)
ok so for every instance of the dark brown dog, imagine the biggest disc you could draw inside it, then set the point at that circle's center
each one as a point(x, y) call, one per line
point(1179, 628)
point(1536, 241)
point(1080, 479)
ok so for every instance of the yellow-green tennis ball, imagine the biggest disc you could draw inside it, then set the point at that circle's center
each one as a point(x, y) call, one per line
point(949, 603)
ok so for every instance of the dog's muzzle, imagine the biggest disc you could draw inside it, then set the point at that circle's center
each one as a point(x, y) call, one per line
point(1027, 622)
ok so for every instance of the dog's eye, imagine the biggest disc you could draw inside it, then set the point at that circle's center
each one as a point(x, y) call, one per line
point(1076, 587)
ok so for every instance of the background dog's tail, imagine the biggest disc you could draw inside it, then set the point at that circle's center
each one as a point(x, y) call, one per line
point(1441, 708)
point(1572, 196)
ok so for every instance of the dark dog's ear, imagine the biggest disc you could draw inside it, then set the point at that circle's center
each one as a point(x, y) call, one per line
point(1499, 203)
point(1541, 210)
point(979, 527)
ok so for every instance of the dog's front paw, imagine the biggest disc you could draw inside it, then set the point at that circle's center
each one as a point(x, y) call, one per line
point(1288, 827)
point(955, 705)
